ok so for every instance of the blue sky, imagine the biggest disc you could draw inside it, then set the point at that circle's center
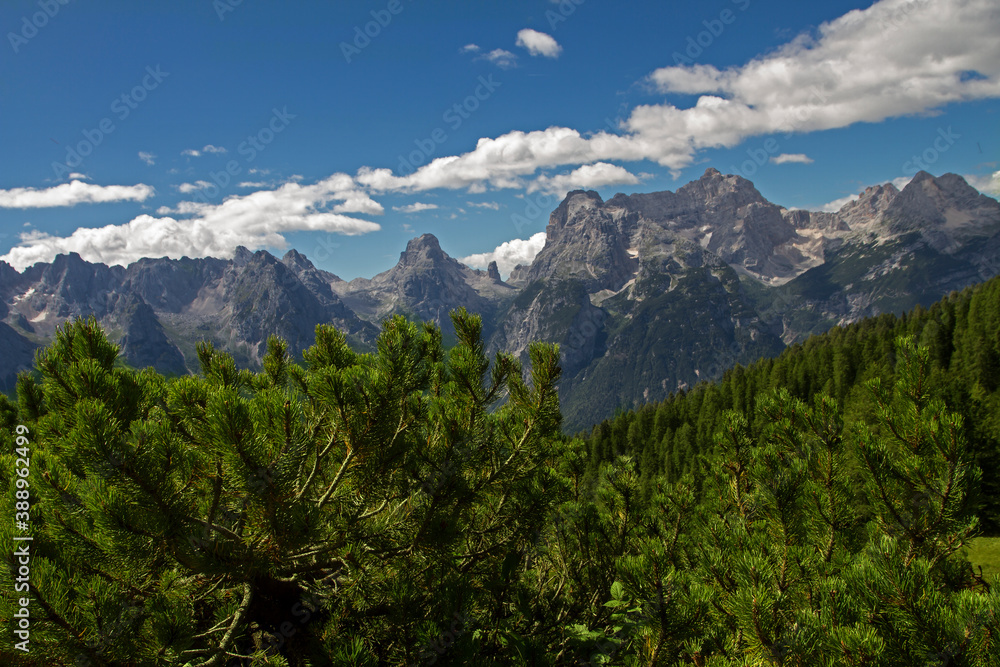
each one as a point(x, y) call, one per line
point(345, 129)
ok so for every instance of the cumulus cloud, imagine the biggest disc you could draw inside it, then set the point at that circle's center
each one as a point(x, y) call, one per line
point(848, 72)
point(470, 48)
point(501, 58)
point(588, 176)
point(901, 182)
point(190, 152)
point(187, 188)
point(538, 43)
point(75, 176)
point(853, 70)
point(148, 158)
point(508, 254)
point(73, 193)
point(255, 220)
point(837, 204)
point(784, 158)
point(988, 185)
point(485, 204)
point(213, 149)
point(415, 207)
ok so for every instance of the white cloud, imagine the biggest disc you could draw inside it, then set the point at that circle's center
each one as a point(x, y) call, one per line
point(588, 176)
point(415, 207)
point(253, 184)
point(508, 254)
point(148, 158)
point(901, 182)
point(470, 48)
point(988, 185)
point(75, 176)
point(784, 158)
point(538, 43)
point(501, 58)
point(501, 162)
point(187, 188)
point(73, 193)
point(837, 204)
point(255, 220)
point(213, 149)
point(190, 152)
point(849, 72)
point(485, 204)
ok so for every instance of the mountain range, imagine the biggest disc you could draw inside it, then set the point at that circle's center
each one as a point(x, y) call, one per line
point(646, 294)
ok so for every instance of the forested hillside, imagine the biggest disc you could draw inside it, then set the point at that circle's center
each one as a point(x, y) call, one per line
point(961, 333)
point(417, 505)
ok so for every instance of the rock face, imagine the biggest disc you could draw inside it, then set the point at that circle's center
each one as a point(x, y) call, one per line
point(159, 309)
point(144, 342)
point(646, 294)
point(493, 271)
point(425, 284)
point(650, 293)
point(899, 249)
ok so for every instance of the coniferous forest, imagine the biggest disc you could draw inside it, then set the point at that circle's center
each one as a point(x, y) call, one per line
point(419, 505)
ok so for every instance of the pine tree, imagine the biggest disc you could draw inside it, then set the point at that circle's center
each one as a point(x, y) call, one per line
point(353, 511)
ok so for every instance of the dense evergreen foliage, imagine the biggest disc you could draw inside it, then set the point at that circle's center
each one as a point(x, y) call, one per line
point(416, 506)
point(961, 333)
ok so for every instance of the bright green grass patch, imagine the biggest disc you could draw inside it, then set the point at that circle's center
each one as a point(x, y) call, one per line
point(985, 551)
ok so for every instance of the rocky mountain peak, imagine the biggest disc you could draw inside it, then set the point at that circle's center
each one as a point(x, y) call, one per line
point(869, 206)
point(572, 205)
point(725, 190)
point(295, 260)
point(946, 211)
point(422, 250)
point(9, 277)
point(241, 256)
point(493, 271)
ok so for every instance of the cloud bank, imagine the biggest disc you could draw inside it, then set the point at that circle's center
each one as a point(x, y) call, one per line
point(73, 193)
point(256, 220)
